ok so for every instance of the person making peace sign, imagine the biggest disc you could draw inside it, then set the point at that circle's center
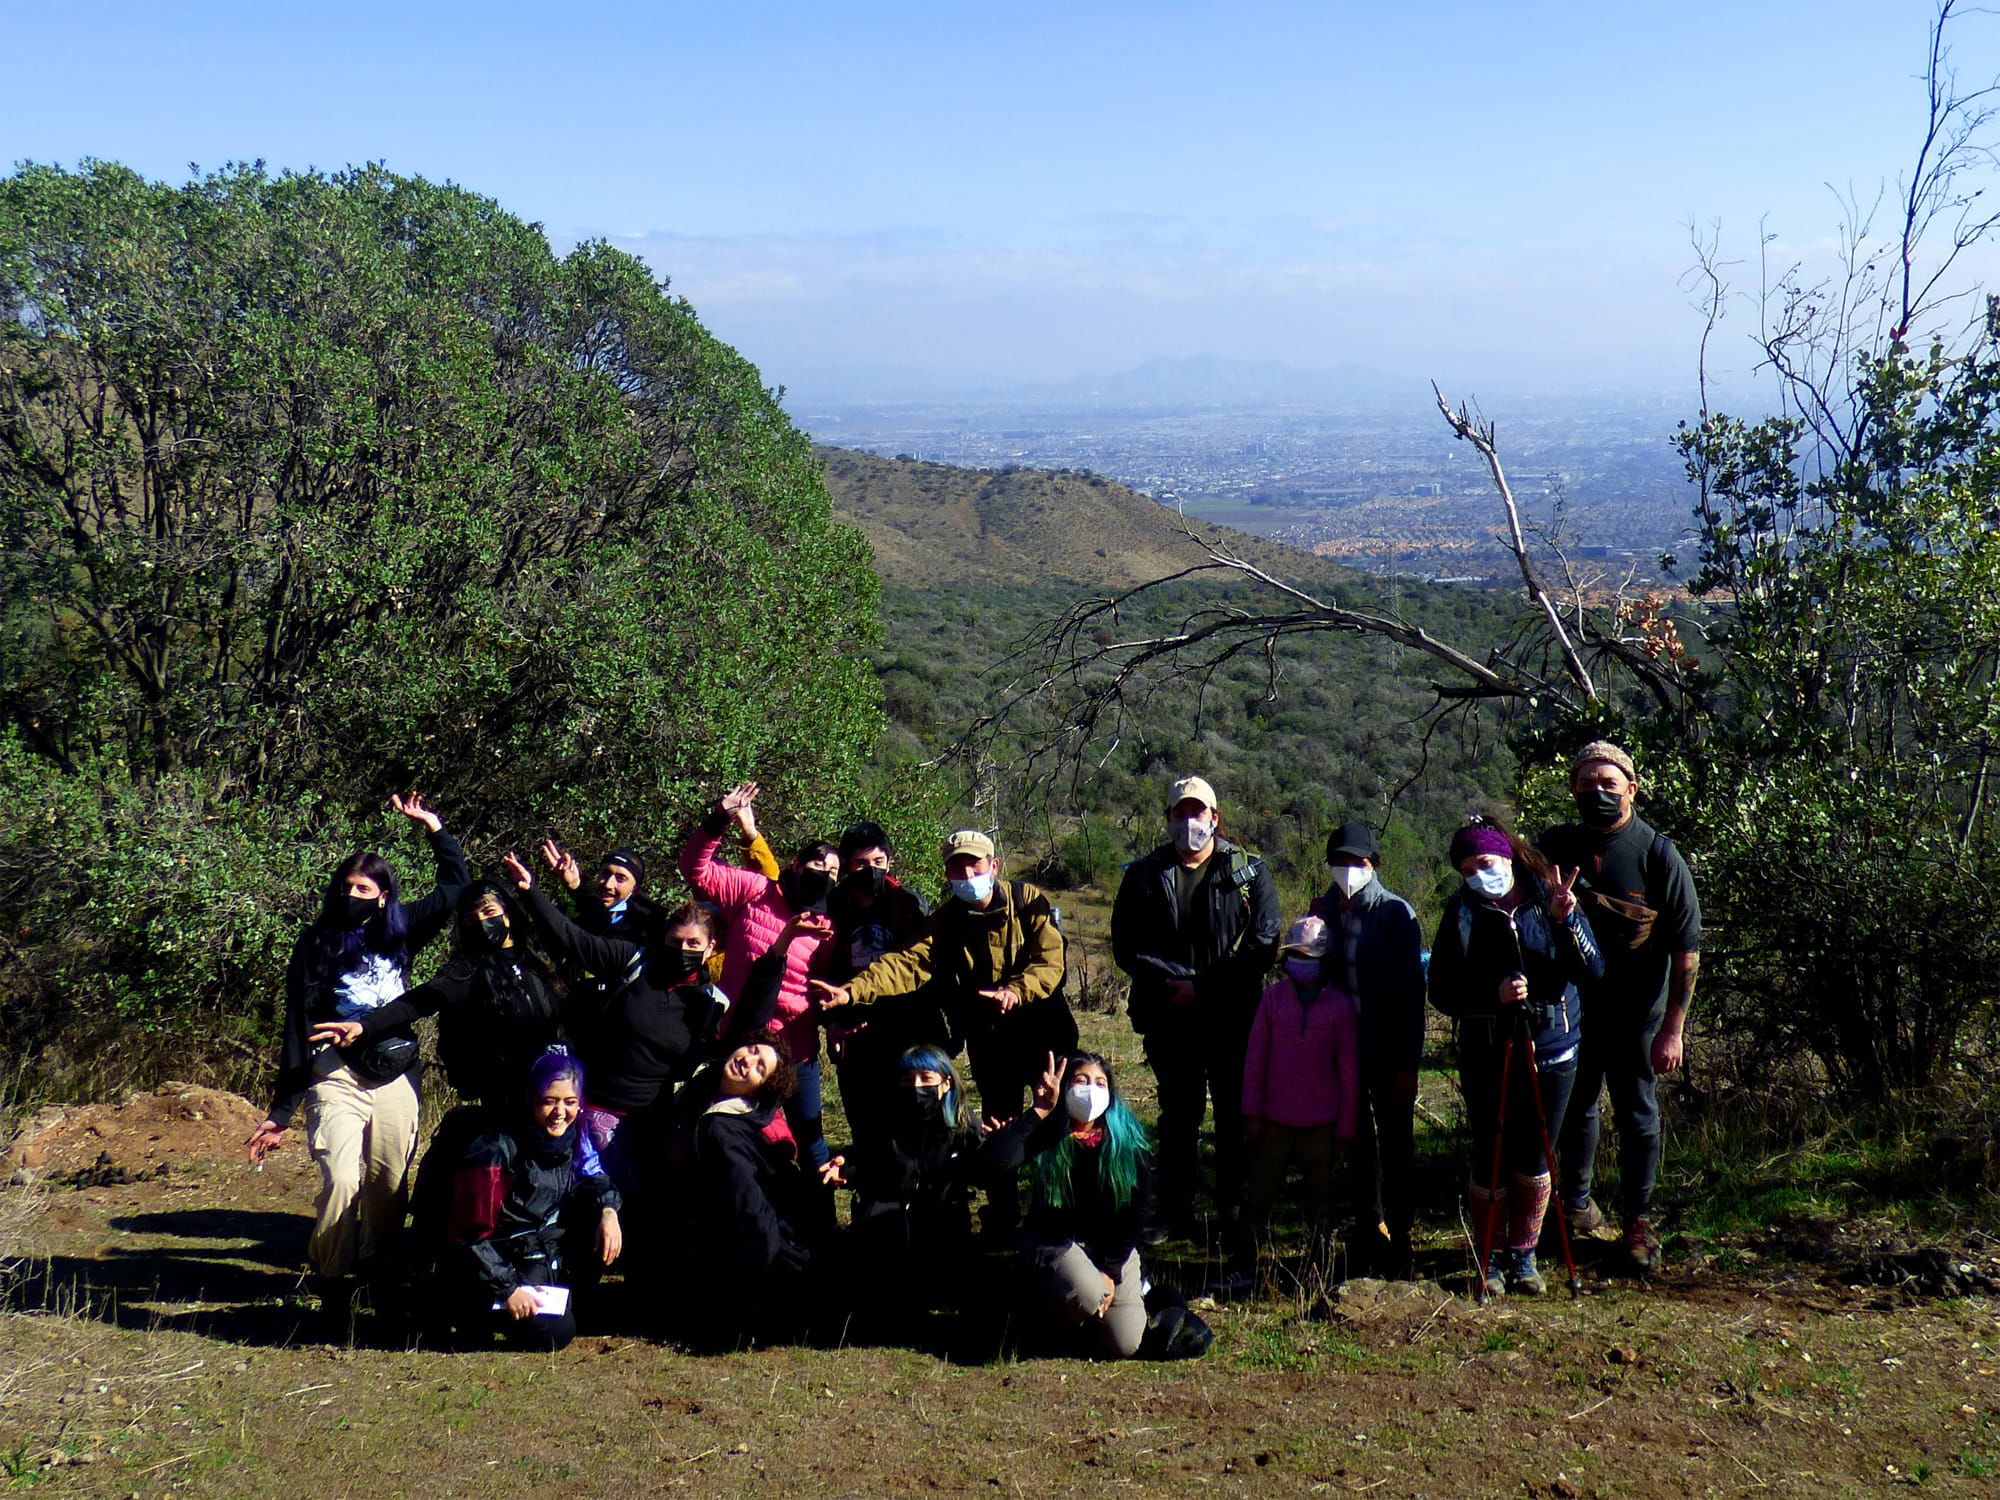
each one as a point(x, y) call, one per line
point(1510, 950)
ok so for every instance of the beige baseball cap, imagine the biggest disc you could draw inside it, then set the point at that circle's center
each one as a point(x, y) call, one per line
point(968, 841)
point(1191, 786)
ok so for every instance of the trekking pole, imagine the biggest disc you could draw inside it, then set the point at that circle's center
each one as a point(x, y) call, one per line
point(1549, 1159)
point(1493, 1186)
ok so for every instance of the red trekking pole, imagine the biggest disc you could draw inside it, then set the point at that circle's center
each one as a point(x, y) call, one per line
point(1493, 1186)
point(1555, 1179)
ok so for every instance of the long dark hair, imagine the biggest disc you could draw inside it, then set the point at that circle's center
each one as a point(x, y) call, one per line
point(336, 947)
point(512, 995)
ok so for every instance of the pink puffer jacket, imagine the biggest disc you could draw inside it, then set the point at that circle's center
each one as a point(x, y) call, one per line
point(756, 911)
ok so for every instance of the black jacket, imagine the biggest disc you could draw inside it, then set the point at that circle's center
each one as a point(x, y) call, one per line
point(1227, 949)
point(1477, 947)
point(655, 1027)
point(1389, 959)
point(509, 1198)
point(307, 1002)
point(1108, 1231)
point(491, 1025)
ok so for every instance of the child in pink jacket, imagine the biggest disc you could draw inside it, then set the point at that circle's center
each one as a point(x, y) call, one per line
point(1301, 1081)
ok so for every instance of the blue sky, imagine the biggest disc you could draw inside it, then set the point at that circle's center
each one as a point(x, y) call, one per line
point(987, 193)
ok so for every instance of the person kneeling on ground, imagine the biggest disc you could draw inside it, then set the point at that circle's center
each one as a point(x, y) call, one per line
point(514, 1195)
point(750, 1210)
point(912, 1180)
point(1091, 1187)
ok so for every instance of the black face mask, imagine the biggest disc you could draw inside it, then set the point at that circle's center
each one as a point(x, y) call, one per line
point(676, 964)
point(869, 881)
point(361, 908)
point(495, 930)
point(921, 1105)
point(1599, 806)
point(805, 889)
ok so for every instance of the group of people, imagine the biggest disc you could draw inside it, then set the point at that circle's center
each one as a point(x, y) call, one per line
point(643, 1082)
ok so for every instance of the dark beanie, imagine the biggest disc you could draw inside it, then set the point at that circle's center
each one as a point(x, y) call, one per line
point(630, 860)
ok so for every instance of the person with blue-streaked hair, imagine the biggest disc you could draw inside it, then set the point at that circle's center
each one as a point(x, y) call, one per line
point(912, 1178)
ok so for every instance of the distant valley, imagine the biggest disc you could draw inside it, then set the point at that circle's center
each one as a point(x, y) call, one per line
point(1351, 464)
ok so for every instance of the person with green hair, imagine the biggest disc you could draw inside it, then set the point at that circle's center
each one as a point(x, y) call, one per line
point(1090, 1178)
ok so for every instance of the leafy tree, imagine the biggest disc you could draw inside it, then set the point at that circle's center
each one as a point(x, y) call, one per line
point(314, 487)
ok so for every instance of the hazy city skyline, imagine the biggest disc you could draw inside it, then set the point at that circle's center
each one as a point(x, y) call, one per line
point(884, 194)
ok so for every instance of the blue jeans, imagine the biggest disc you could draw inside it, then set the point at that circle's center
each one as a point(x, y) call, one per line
point(802, 1113)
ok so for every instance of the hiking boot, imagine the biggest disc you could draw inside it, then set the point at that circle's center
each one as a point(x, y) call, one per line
point(1522, 1276)
point(1586, 1222)
point(1494, 1283)
point(1642, 1247)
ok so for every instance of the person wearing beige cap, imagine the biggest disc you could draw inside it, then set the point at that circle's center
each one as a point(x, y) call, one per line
point(1195, 927)
point(1640, 898)
point(995, 953)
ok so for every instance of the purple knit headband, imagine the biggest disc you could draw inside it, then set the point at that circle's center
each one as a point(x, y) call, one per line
point(1480, 839)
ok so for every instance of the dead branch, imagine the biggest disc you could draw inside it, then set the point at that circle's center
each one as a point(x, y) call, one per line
point(1482, 439)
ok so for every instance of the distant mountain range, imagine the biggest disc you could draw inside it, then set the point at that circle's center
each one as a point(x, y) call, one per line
point(1176, 383)
point(1208, 380)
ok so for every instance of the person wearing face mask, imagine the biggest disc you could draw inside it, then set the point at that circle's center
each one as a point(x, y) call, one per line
point(912, 1180)
point(754, 910)
point(873, 913)
point(531, 1209)
point(360, 1097)
point(993, 954)
point(1301, 1081)
point(1511, 950)
point(1195, 927)
point(1375, 955)
point(659, 1026)
point(1641, 900)
point(1091, 1181)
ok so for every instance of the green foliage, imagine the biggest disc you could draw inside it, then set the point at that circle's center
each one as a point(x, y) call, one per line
point(317, 487)
point(1840, 794)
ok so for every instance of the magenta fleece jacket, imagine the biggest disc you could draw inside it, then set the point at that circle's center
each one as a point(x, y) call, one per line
point(1303, 1068)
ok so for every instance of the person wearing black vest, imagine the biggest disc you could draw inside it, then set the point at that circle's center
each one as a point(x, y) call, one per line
point(1195, 927)
point(1641, 901)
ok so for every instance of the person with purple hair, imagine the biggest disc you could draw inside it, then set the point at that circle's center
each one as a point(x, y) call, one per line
point(520, 1192)
point(360, 1094)
point(1511, 949)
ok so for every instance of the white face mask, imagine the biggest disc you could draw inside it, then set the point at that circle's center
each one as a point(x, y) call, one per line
point(1351, 878)
point(973, 890)
point(1491, 883)
point(1191, 835)
point(1086, 1101)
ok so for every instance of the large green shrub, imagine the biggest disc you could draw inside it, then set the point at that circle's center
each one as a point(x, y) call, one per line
point(314, 487)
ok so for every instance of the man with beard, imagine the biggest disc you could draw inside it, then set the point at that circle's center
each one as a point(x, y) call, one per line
point(1637, 893)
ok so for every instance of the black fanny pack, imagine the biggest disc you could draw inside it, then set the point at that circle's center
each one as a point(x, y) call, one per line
point(377, 1060)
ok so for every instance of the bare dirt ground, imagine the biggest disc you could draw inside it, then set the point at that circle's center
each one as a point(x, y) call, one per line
point(157, 1341)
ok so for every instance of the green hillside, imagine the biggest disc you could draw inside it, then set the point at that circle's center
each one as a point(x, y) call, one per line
point(973, 561)
point(931, 524)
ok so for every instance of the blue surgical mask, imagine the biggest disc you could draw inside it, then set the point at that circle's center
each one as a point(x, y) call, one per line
point(973, 890)
point(1491, 883)
point(1302, 969)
